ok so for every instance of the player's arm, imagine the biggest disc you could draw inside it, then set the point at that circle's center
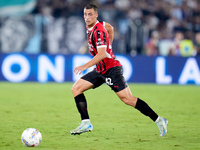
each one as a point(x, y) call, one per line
point(110, 30)
point(96, 59)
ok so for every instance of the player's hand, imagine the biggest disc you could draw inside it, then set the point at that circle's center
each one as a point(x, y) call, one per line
point(79, 69)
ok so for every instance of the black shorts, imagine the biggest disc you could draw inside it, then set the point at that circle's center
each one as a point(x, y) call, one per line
point(113, 77)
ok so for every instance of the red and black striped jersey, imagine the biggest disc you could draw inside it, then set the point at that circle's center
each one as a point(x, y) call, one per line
point(97, 36)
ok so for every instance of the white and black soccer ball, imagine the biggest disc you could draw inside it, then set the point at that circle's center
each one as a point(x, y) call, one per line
point(31, 137)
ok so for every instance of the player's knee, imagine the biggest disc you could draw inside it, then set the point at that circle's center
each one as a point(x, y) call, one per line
point(75, 90)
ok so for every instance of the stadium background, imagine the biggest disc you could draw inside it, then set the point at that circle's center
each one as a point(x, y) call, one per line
point(42, 40)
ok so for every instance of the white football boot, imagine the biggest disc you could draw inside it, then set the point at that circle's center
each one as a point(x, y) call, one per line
point(162, 125)
point(85, 126)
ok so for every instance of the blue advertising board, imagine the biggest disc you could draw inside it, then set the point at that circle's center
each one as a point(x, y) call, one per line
point(17, 67)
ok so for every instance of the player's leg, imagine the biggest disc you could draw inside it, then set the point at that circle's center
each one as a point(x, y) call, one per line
point(126, 96)
point(88, 81)
point(77, 90)
point(121, 88)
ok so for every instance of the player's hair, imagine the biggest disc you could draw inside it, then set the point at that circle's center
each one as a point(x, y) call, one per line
point(91, 6)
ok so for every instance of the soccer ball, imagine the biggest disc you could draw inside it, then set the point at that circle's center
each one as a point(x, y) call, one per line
point(31, 137)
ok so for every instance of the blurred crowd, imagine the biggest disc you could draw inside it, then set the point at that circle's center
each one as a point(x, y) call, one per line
point(150, 27)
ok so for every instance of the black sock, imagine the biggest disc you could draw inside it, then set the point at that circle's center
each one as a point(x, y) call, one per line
point(81, 105)
point(145, 109)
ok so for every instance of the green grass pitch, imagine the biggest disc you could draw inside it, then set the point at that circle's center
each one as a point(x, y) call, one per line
point(50, 108)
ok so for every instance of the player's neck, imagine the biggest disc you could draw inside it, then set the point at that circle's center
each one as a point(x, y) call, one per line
point(90, 27)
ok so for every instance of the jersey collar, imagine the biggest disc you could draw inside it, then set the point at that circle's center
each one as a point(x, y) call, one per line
point(93, 26)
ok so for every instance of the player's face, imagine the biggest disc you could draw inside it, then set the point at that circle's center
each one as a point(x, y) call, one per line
point(90, 17)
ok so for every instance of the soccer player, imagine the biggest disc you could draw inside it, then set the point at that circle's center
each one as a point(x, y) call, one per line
point(108, 70)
